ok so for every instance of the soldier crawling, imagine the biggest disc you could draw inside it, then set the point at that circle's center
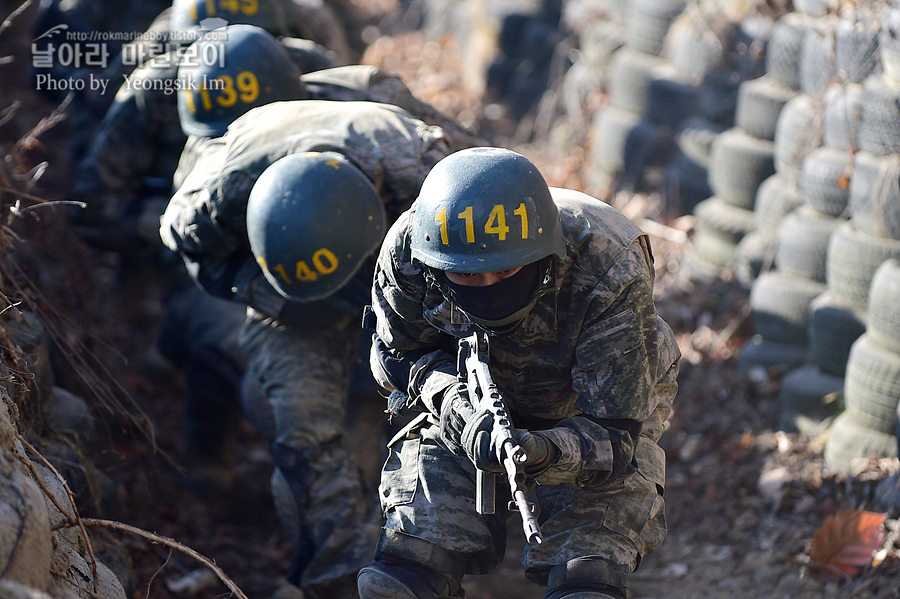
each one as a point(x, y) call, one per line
point(563, 284)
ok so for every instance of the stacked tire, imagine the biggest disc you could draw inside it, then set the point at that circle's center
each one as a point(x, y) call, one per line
point(598, 34)
point(624, 137)
point(835, 57)
point(719, 54)
point(672, 91)
point(831, 174)
point(863, 268)
point(739, 164)
point(783, 263)
point(836, 53)
point(868, 428)
point(763, 103)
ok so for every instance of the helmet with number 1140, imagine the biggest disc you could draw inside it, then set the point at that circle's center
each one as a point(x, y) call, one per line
point(312, 220)
point(229, 71)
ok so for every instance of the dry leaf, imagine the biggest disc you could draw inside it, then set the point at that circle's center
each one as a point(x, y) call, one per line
point(847, 540)
point(844, 182)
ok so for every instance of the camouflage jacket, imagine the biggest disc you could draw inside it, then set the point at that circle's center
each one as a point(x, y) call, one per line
point(140, 143)
point(136, 146)
point(205, 219)
point(584, 357)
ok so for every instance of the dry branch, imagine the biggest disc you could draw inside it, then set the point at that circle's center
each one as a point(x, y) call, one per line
point(171, 543)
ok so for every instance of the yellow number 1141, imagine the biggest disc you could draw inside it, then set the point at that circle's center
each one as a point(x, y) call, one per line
point(495, 225)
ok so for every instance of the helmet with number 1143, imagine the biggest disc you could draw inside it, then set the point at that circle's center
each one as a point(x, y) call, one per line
point(190, 18)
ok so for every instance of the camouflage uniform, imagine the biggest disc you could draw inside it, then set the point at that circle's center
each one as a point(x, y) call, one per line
point(587, 357)
point(135, 149)
point(88, 17)
point(126, 181)
point(361, 83)
point(301, 352)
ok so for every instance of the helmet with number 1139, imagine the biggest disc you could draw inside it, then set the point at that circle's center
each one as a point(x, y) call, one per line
point(227, 72)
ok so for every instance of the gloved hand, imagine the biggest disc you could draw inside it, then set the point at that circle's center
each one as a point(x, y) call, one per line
point(480, 444)
point(540, 451)
point(395, 365)
point(456, 411)
point(466, 432)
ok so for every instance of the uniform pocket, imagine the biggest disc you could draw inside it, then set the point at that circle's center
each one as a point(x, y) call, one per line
point(400, 474)
point(612, 374)
point(633, 506)
point(615, 337)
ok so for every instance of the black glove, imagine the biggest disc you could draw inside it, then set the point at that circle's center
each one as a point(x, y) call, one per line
point(480, 444)
point(456, 411)
point(540, 451)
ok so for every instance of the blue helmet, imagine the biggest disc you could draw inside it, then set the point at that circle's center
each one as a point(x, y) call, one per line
point(229, 71)
point(312, 220)
point(191, 18)
point(485, 210)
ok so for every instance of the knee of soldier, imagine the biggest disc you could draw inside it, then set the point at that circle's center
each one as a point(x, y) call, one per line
point(402, 580)
point(257, 408)
point(585, 594)
point(588, 578)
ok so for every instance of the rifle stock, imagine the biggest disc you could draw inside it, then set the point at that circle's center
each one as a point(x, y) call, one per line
point(483, 393)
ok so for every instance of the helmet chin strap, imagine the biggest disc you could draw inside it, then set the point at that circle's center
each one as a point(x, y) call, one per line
point(540, 277)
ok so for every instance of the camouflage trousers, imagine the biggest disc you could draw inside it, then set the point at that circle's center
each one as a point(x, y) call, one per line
point(329, 515)
point(428, 492)
point(199, 334)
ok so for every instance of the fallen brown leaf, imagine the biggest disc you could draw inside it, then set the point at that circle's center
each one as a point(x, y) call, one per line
point(844, 182)
point(846, 540)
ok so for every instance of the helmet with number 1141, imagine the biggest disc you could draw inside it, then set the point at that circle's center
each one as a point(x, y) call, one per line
point(485, 210)
point(488, 210)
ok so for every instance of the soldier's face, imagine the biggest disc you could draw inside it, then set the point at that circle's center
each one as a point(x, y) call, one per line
point(480, 279)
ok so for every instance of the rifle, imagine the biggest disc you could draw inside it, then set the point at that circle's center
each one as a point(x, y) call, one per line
point(472, 364)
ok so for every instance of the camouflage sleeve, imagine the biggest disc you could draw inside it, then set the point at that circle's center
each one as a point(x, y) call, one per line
point(398, 296)
point(119, 156)
point(614, 375)
point(187, 160)
point(215, 256)
point(407, 164)
point(314, 20)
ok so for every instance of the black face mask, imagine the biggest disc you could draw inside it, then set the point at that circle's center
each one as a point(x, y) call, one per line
point(501, 304)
